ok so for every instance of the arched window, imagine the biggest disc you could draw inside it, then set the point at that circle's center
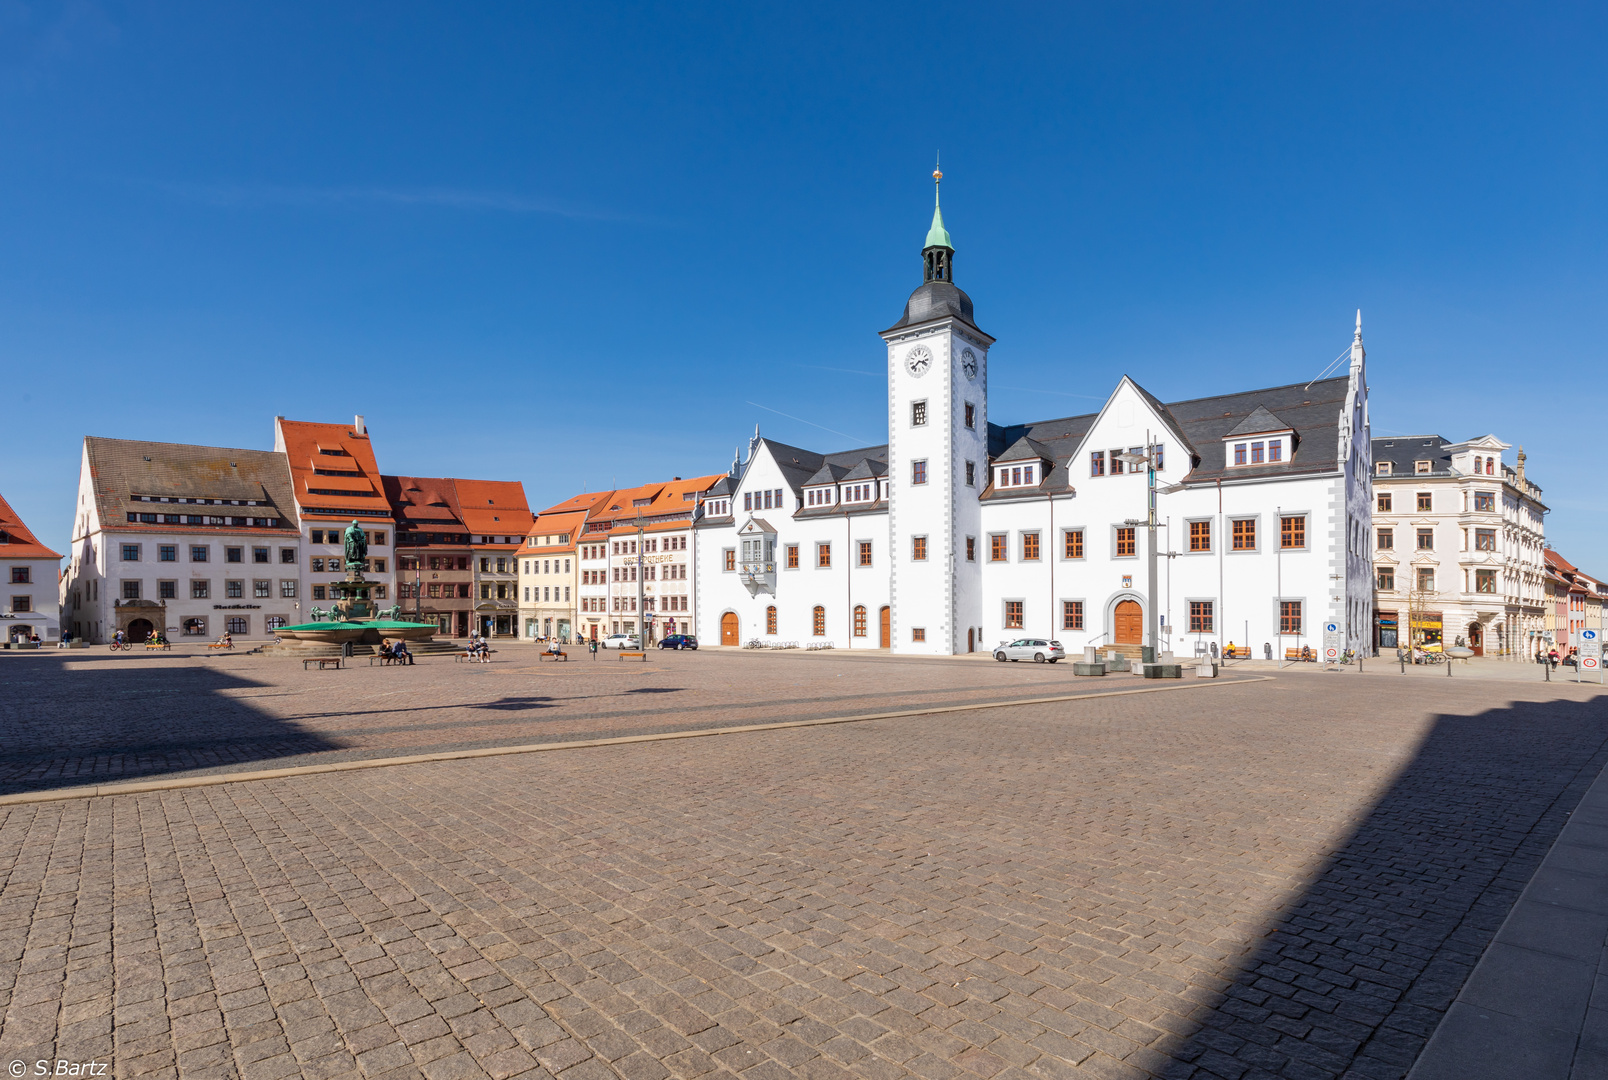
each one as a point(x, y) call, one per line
point(820, 622)
point(770, 620)
point(859, 620)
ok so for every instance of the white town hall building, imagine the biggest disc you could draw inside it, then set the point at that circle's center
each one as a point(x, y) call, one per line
point(963, 532)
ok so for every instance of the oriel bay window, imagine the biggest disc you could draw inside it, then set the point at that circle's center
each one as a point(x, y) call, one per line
point(1484, 500)
point(1484, 539)
point(1485, 581)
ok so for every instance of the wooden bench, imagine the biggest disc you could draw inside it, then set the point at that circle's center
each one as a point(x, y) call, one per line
point(459, 658)
point(545, 655)
point(323, 662)
point(643, 653)
point(1294, 653)
point(387, 661)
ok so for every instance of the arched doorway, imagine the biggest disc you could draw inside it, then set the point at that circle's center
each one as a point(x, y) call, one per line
point(1128, 624)
point(1476, 639)
point(886, 618)
point(139, 630)
point(728, 628)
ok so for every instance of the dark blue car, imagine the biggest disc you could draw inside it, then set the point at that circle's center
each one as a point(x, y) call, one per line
point(679, 641)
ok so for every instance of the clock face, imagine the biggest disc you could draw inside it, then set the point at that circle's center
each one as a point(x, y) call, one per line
point(968, 363)
point(918, 360)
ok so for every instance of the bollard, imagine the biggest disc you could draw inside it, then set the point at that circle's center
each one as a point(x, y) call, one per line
point(1448, 663)
point(1546, 668)
point(1402, 660)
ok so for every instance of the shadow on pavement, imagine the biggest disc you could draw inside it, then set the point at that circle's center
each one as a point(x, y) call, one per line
point(1360, 967)
point(122, 720)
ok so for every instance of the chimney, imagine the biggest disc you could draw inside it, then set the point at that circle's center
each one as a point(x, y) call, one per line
point(357, 425)
point(1520, 470)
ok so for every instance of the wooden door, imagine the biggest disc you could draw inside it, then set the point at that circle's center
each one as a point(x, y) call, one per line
point(1129, 624)
point(728, 628)
point(1476, 639)
point(971, 642)
point(886, 619)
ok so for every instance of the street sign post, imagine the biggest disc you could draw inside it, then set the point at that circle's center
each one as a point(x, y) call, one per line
point(1591, 652)
point(1331, 643)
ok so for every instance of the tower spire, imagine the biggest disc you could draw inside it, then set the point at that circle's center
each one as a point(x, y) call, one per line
point(938, 253)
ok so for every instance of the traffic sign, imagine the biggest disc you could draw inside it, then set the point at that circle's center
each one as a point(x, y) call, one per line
point(1589, 662)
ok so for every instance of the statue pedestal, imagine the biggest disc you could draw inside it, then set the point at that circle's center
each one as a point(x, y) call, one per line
point(351, 596)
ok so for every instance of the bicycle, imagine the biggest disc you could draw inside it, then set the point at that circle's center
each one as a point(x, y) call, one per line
point(124, 645)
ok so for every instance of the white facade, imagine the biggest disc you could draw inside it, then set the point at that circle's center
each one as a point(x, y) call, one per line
point(981, 533)
point(1458, 546)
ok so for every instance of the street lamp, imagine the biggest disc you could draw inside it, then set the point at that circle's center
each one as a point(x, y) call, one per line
point(1148, 459)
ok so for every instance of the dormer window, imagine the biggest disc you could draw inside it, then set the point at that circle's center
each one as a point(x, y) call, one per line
point(1268, 450)
point(818, 497)
point(1017, 476)
point(1423, 467)
point(1382, 468)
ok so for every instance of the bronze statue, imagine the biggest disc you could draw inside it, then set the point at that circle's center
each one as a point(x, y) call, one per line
point(356, 547)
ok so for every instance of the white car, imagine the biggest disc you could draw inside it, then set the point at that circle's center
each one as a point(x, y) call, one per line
point(622, 641)
point(1038, 650)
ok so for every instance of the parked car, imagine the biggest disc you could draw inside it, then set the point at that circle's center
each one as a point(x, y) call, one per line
point(1038, 650)
point(622, 641)
point(679, 641)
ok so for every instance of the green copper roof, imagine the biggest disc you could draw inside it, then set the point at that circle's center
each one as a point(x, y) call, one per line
point(938, 236)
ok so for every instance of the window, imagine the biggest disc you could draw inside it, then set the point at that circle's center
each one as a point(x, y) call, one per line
point(20, 604)
point(234, 554)
point(1387, 539)
point(823, 556)
point(1289, 616)
point(1200, 616)
point(730, 562)
point(1097, 463)
point(918, 471)
point(1385, 579)
point(996, 547)
point(318, 592)
point(1125, 541)
point(167, 590)
point(317, 536)
point(259, 555)
point(1485, 581)
point(1292, 532)
point(131, 590)
point(792, 556)
point(20, 575)
point(199, 552)
point(378, 565)
point(971, 472)
point(287, 588)
point(1116, 463)
point(1422, 467)
point(859, 620)
point(918, 548)
point(485, 592)
point(234, 590)
point(1426, 579)
point(748, 502)
point(1239, 453)
point(1071, 614)
point(1256, 453)
point(262, 589)
point(918, 413)
point(275, 622)
point(1426, 501)
point(1484, 501)
point(770, 619)
point(1275, 450)
point(918, 633)
point(167, 553)
point(195, 627)
point(1200, 536)
point(200, 590)
point(1382, 502)
point(971, 415)
point(818, 621)
point(1426, 539)
point(1013, 614)
point(1030, 547)
point(1159, 453)
point(1484, 539)
point(865, 553)
point(1244, 534)
point(1382, 468)
point(971, 549)
point(1072, 544)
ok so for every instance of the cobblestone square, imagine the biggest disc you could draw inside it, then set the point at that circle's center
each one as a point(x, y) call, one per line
point(1286, 876)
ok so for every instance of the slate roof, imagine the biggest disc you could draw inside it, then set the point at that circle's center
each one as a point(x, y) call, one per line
point(1311, 409)
point(122, 468)
point(16, 540)
point(1403, 450)
point(1259, 422)
point(1025, 449)
point(799, 465)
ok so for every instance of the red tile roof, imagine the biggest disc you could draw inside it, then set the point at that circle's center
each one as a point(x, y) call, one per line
point(310, 447)
point(16, 541)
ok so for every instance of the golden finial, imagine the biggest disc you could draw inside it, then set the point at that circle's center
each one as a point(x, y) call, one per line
point(937, 174)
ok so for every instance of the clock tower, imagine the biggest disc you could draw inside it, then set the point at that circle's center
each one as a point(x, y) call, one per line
point(937, 457)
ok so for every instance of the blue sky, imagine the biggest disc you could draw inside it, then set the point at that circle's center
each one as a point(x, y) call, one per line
point(592, 245)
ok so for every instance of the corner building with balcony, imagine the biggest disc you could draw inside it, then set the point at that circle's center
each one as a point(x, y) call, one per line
point(962, 532)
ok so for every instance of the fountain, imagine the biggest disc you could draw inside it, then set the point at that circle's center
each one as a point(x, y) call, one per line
point(352, 616)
